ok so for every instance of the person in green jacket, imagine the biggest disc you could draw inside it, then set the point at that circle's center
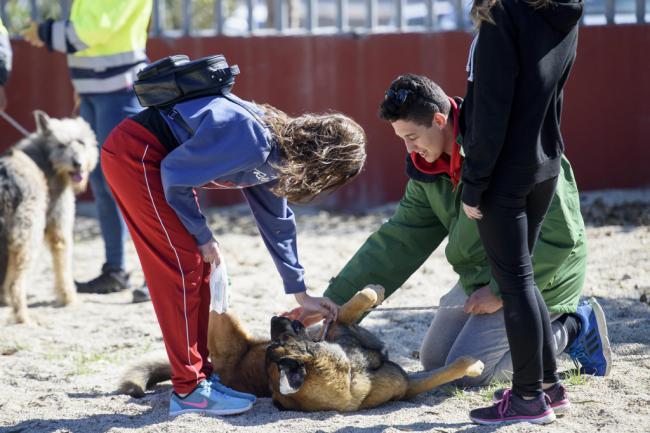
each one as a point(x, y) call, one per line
point(470, 318)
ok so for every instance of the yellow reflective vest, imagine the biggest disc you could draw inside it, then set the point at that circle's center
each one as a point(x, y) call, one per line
point(105, 41)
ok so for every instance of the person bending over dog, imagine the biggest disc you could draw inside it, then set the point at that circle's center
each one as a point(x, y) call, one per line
point(470, 319)
point(153, 165)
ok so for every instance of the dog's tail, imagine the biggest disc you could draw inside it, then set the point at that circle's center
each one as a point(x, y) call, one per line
point(427, 380)
point(144, 375)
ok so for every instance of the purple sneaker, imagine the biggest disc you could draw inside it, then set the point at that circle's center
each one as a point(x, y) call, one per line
point(557, 395)
point(513, 408)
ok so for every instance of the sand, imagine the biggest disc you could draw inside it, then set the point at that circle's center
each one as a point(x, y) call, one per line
point(59, 375)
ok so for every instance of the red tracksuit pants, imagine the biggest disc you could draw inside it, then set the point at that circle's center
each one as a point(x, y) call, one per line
point(175, 273)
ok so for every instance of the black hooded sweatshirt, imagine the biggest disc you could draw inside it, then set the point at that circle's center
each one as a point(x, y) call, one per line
point(511, 114)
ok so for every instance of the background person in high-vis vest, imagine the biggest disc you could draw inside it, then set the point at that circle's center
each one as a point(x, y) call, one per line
point(105, 42)
point(5, 64)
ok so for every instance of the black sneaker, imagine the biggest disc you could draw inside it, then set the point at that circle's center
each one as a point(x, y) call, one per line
point(141, 294)
point(110, 281)
point(512, 408)
point(557, 398)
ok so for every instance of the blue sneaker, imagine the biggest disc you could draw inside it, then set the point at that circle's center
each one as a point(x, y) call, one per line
point(206, 400)
point(215, 381)
point(591, 348)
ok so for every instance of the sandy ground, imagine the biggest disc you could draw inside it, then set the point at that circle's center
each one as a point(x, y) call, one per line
point(60, 375)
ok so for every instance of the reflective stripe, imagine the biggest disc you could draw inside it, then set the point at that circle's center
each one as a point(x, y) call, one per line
point(104, 62)
point(105, 85)
point(58, 36)
point(470, 59)
point(73, 37)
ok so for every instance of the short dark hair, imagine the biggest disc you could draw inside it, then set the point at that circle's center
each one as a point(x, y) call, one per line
point(419, 100)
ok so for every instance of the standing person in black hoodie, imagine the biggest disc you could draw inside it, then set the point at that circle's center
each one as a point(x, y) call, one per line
point(518, 65)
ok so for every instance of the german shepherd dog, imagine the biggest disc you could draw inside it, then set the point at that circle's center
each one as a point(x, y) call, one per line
point(39, 177)
point(346, 371)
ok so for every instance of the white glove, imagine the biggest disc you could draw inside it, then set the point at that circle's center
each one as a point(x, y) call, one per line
point(219, 290)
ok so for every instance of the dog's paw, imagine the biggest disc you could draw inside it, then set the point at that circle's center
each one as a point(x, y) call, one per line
point(476, 369)
point(472, 366)
point(23, 319)
point(66, 296)
point(379, 291)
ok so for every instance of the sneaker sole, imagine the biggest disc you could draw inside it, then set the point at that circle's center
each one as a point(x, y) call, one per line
point(602, 330)
point(548, 418)
point(212, 412)
point(562, 407)
point(237, 394)
point(559, 408)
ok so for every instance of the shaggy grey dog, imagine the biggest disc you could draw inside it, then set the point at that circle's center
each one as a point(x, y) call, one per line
point(39, 177)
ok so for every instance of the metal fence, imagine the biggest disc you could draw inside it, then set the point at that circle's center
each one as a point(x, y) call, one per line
point(260, 17)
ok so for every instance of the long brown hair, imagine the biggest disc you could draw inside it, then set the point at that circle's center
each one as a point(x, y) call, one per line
point(480, 11)
point(320, 152)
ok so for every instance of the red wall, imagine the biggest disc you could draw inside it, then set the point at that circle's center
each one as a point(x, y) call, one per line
point(607, 104)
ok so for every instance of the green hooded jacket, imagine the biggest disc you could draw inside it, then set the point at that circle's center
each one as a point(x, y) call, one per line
point(431, 210)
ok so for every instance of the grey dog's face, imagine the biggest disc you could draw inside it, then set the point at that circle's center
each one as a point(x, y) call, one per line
point(72, 147)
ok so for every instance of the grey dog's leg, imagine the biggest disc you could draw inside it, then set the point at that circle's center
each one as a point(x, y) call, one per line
point(14, 286)
point(23, 239)
point(60, 239)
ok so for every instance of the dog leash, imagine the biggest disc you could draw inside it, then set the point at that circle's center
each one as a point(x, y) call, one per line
point(432, 307)
point(10, 120)
point(324, 330)
point(326, 327)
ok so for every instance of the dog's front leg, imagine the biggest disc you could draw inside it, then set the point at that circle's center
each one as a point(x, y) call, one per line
point(352, 311)
point(60, 243)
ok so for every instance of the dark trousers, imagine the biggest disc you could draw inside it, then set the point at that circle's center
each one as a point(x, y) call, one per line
point(510, 226)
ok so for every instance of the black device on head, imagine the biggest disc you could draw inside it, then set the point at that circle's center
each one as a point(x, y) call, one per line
point(176, 78)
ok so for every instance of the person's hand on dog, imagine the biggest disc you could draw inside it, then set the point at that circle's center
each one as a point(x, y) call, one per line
point(316, 308)
point(299, 314)
point(483, 301)
point(210, 252)
point(31, 35)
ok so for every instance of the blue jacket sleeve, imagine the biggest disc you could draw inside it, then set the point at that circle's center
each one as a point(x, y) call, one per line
point(216, 149)
point(277, 225)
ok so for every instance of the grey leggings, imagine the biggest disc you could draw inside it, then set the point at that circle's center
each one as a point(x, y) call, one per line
point(453, 334)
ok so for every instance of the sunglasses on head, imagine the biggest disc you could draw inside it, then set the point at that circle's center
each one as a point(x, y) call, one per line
point(399, 96)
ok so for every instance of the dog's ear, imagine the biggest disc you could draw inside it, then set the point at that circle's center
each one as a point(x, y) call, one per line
point(292, 375)
point(42, 122)
point(280, 326)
